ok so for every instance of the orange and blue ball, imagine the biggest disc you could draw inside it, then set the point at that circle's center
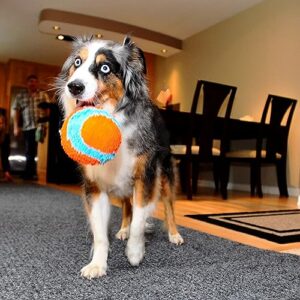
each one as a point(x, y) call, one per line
point(91, 136)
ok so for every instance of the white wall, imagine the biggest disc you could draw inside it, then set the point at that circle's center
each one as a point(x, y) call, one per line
point(258, 51)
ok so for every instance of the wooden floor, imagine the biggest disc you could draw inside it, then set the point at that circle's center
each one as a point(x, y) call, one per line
point(206, 202)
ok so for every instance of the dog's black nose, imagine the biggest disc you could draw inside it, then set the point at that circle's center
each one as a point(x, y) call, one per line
point(76, 87)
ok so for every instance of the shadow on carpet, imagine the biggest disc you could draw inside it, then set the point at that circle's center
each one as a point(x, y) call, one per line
point(44, 242)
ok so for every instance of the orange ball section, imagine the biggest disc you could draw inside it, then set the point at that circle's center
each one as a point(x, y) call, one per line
point(71, 152)
point(101, 133)
point(98, 132)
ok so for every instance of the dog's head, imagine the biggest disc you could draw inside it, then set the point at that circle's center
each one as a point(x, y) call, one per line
point(103, 74)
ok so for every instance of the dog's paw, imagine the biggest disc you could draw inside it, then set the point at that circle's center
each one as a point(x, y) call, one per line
point(93, 270)
point(149, 227)
point(123, 234)
point(135, 253)
point(176, 239)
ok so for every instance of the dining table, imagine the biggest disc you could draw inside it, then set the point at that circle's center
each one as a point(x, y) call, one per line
point(178, 122)
point(238, 134)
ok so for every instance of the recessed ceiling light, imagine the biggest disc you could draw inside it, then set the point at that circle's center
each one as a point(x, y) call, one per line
point(99, 36)
point(56, 27)
point(64, 37)
point(164, 51)
point(60, 37)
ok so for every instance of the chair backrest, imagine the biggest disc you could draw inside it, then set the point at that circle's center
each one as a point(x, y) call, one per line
point(178, 126)
point(214, 96)
point(278, 109)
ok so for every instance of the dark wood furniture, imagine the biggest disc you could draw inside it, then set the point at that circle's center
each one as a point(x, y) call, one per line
point(211, 99)
point(270, 146)
point(178, 122)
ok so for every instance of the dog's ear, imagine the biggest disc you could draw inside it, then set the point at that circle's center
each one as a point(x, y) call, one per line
point(143, 60)
point(127, 41)
point(134, 70)
point(135, 52)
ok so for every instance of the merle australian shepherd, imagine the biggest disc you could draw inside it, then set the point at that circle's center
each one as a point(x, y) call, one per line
point(111, 76)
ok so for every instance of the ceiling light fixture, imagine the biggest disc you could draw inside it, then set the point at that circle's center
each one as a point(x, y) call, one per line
point(56, 27)
point(99, 36)
point(60, 37)
point(76, 24)
point(164, 51)
point(64, 37)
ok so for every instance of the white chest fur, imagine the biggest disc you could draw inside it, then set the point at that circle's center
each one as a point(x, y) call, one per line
point(115, 176)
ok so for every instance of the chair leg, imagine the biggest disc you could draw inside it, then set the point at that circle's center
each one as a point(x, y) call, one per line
point(216, 174)
point(182, 176)
point(224, 177)
point(281, 178)
point(188, 180)
point(195, 176)
point(259, 190)
point(185, 178)
point(258, 180)
point(252, 180)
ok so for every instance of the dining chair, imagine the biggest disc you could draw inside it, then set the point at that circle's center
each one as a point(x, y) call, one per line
point(270, 146)
point(201, 132)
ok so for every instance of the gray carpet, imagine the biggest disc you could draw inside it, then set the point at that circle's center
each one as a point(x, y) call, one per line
point(44, 242)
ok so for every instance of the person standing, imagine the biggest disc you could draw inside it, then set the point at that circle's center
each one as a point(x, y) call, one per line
point(27, 109)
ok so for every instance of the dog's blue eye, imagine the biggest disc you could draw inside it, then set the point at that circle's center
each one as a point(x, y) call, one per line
point(77, 62)
point(105, 69)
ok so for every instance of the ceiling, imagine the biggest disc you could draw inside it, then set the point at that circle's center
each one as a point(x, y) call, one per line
point(23, 37)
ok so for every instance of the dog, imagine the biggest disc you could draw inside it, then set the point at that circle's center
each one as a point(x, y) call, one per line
point(112, 76)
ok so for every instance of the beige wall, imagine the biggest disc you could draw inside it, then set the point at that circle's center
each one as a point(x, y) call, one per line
point(258, 51)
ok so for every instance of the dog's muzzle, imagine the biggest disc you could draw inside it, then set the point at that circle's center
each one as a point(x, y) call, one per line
point(76, 87)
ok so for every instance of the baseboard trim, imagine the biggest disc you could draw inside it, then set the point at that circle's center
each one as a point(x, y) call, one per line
point(272, 190)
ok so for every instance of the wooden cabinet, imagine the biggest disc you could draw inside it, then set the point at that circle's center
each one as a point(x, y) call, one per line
point(2, 83)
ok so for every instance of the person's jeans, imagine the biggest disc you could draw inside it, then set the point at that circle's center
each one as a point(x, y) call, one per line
point(30, 153)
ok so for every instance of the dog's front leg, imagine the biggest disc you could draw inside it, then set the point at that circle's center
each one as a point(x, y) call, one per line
point(99, 218)
point(141, 210)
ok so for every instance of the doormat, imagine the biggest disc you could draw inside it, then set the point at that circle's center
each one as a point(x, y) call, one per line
point(280, 226)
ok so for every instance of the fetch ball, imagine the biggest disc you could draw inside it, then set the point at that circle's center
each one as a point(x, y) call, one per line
point(91, 136)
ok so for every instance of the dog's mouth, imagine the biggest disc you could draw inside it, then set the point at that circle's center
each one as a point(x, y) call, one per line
point(85, 103)
point(92, 102)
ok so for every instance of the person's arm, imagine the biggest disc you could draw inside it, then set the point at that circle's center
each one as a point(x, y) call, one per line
point(44, 110)
point(16, 117)
point(46, 97)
